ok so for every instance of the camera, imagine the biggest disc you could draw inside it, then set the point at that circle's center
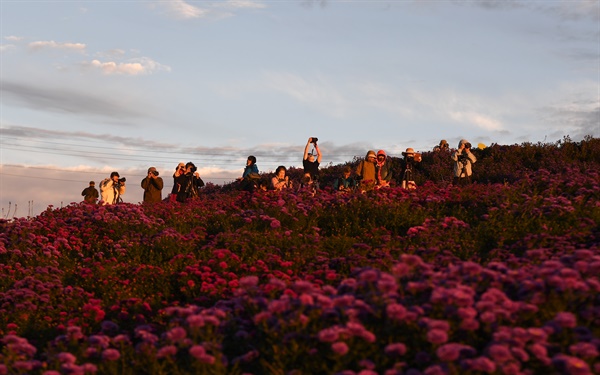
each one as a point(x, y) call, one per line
point(155, 173)
point(468, 145)
point(314, 140)
point(121, 180)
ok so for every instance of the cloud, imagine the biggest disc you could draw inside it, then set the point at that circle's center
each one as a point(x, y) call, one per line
point(63, 100)
point(140, 66)
point(13, 38)
point(6, 47)
point(477, 119)
point(181, 9)
point(54, 45)
point(241, 4)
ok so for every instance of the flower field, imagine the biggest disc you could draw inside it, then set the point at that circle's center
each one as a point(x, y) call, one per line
point(498, 277)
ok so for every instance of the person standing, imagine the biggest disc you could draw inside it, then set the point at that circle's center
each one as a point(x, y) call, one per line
point(189, 183)
point(366, 172)
point(90, 193)
point(310, 163)
point(383, 170)
point(408, 164)
point(463, 161)
point(112, 188)
point(152, 185)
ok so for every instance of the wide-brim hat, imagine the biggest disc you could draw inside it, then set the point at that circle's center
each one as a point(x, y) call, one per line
point(409, 151)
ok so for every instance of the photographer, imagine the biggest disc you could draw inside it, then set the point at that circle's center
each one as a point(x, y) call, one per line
point(152, 185)
point(280, 181)
point(310, 164)
point(189, 183)
point(463, 160)
point(112, 188)
point(408, 164)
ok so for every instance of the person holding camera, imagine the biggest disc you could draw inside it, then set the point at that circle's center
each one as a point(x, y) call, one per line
point(463, 161)
point(189, 183)
point(280, 181)
point(408, 164)
point(152, 185)
point(112, 188)
point(310, 163)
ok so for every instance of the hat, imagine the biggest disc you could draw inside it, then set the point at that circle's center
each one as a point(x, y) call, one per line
point(151, 169)
point(114, 174)
point(443, 142)
point(381, 153)
point(371, 153)
point(462, 142)
point(92, 183)
point(409, 151)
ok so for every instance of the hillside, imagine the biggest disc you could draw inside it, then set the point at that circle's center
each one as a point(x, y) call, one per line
point(497, 277)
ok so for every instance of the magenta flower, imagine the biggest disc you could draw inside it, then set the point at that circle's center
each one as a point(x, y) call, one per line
point(395, 349)
point(499, 353)
point(396, 311)
point(482, 364)
point(248, 282)
point(197, 351)
point(176, 334)
point(166, 351)
point(111, 354)
point(275, 223)
point(565, 319)
point(437, 336)
point(450, 352)
point(340, 347)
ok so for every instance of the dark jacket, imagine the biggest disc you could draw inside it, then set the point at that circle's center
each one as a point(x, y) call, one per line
point(152, 189)
point(189, 186)
point(90, 194)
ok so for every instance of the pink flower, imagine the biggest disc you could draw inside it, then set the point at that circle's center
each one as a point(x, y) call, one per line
point(248, 282)
point(437, 336)
point(197, 351)
point(166, 351)
point(395, 349)
point(111, 354)
point(340, 347)
point(395, 311)
point(566, 319)
point(275, 223)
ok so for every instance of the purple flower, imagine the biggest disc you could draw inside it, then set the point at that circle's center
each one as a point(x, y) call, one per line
point(499, 353)
point(565, 319)
point(437, 336)
point(584, 349)
point(340, 347)
point(396, 311)
point(482, 364)
point(571, 365)
point(395, 349)
point(450, 352)
point(166, 351)
point(248, 282)
point(111, 354)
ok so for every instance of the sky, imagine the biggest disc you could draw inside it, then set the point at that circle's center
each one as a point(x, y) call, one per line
point(91, 87)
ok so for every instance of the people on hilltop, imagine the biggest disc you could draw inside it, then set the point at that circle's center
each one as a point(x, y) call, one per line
point(463, 162)
point(365, 172)
point(189, 183)
point(152, 185)
point(112, 188)
point(250, 177)
point(179, 171)
point(280, 181)
point(383, 170)
point(408, 162)
point(345, 182)
point(90, 193)
point(443, 146)
point(310, 163)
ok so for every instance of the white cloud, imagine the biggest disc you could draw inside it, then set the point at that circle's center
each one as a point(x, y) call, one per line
point(6, 47)
point(141, 66)
point(477, 119)
point(13, 38)
point(181, 9)
point(242, 4)
point(54, 45)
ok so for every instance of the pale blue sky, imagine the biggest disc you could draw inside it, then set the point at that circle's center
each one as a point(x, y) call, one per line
point(94, 86)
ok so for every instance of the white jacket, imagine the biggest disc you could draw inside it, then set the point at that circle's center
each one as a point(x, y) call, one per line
point(109, 192)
